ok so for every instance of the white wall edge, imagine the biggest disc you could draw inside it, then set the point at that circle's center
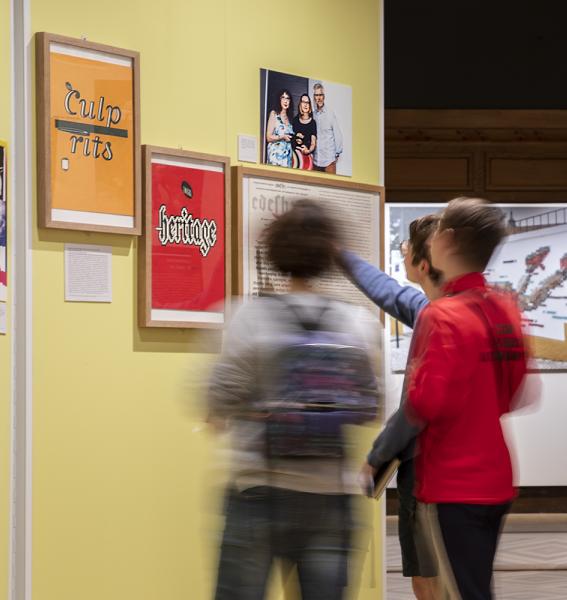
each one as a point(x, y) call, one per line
point(381, 180)
point(21, 227)
point(10, 259)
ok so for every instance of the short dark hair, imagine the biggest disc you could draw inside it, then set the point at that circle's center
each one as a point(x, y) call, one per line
point(302, 241)
point(479, 227)
point(420, 230)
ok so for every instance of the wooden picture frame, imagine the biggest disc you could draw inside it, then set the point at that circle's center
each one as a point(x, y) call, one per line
point(323, 189)
point(88, 136)
point(3, 221)
point(179, 250)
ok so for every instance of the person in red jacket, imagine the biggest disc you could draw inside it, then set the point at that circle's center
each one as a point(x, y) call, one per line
point(468, 364)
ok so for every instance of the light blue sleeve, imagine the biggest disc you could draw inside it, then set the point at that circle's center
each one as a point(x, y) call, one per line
point(338, 135)
point(404, 303)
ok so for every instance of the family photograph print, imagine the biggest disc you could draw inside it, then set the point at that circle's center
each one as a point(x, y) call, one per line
point(305, 123)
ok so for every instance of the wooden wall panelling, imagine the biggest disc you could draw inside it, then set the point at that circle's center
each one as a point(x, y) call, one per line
point(445, 172)
point(489, 125)
point(511, 156)
point(523, 172)
point(430, 171)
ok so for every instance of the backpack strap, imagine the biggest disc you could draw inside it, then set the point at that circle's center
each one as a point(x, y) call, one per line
point(308, 324)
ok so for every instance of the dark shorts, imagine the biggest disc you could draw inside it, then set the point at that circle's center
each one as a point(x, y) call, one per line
point(464, 538)
point(417, 559)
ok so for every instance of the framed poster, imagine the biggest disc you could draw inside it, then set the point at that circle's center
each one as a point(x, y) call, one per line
point(531, 262)
point(184, 255)
point(88, 125)
point(263, 195)
point(305, 123)
point(3, 222)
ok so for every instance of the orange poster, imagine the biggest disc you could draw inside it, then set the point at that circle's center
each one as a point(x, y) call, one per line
point(92, 133)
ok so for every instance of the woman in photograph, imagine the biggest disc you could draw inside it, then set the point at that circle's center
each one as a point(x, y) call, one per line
point(305, 135)
point(279, 131)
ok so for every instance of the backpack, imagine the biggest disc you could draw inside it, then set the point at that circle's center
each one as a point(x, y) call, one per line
point(320, 381)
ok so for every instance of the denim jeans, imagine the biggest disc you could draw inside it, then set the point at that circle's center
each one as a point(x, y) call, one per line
point(311, 531)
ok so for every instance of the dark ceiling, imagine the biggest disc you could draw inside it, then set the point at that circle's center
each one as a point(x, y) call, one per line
point(476, 54)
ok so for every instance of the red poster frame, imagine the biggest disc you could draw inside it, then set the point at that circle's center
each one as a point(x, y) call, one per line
point(148, 314)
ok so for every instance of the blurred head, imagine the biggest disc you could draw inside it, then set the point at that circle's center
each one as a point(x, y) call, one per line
point(305, 106)
point(285, 103)
point(416, 253)
point(302, 241)
point(469, 231)
point(319, 95)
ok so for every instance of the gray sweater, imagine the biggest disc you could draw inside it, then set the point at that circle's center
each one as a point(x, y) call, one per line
point(242, 373)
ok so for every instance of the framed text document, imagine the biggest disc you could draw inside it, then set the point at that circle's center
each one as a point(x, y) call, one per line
point(263, 195)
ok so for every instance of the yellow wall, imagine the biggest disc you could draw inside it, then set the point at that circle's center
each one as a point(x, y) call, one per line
point(5, 341)
point(123, 496)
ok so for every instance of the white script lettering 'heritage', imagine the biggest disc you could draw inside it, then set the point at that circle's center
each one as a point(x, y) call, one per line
point(185, 229)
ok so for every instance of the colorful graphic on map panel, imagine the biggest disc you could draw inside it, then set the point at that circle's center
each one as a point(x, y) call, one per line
point(531, 263)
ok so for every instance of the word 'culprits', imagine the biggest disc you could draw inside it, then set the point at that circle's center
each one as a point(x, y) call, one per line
point(107, 115)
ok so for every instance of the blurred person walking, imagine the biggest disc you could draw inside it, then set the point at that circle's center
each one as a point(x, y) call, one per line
point(293, 371)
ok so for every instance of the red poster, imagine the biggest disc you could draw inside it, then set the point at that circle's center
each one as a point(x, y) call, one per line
point(188, 238)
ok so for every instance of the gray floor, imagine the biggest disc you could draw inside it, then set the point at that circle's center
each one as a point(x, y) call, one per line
point(511, 585)
point(531, 563)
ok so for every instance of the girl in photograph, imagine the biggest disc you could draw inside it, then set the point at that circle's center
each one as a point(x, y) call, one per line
point(279, 131)
point(305, 135)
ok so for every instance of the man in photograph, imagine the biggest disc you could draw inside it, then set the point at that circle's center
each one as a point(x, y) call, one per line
point(329, 137)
